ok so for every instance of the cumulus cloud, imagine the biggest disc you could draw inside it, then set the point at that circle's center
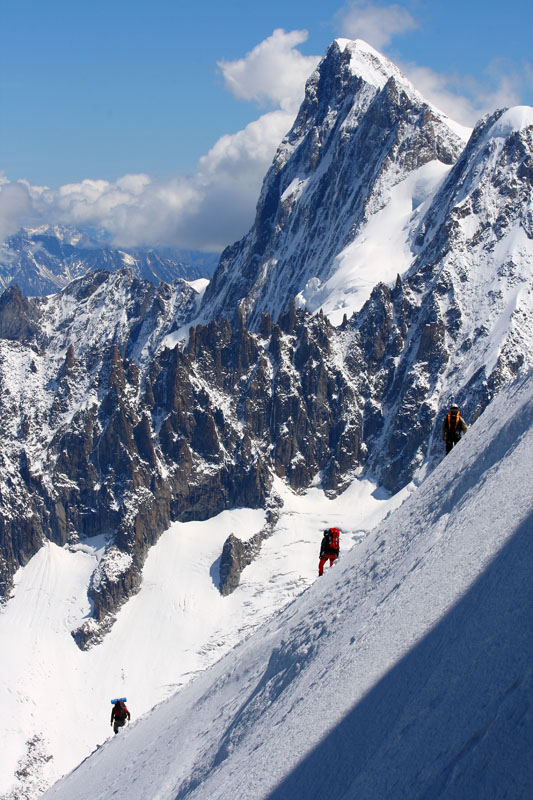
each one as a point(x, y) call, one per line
point(15, 205)
point(377, 25)
point(207, 210)
point(210, 208)
point(229, 178)
point(273, 72)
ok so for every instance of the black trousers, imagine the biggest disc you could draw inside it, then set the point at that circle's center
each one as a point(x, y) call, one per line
point(119, 723)
point(451, 443)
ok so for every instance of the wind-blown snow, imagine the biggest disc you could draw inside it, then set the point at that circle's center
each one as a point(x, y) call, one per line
point(514, 119)
point(404, 672)
point(374, 68)
point(368, 64)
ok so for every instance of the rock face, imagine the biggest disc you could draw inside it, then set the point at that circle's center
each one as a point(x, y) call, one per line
point(72, 436)
point(17, 316)
point(113, 426)
point(238, 554)
point(44, 260)
point(126, 436)
point(467, 301)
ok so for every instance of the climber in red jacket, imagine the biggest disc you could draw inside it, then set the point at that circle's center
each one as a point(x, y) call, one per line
point(329, 548)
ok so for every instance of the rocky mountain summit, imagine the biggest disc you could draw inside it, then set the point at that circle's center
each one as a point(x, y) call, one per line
point(362, 131)
point(46, 259)
point(115, 423)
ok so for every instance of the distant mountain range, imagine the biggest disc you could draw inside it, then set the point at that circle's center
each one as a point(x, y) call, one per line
point(44, 260)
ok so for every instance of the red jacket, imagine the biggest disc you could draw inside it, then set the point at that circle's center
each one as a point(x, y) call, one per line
point(120, 711)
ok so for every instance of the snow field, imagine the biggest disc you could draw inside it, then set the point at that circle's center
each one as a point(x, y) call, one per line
point(380, 252)
point(176, 626)
point(404, 672)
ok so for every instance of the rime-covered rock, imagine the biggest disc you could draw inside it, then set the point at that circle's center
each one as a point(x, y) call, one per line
point(362, 130)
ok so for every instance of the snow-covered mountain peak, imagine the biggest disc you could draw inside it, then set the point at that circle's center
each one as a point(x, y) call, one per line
point(368, 64)
point(361, 131)
point(488, 191)
point(376, 70)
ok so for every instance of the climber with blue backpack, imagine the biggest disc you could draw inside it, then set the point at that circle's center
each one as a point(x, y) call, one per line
point(119, 713)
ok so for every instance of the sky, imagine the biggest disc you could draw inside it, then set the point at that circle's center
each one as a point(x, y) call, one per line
point(157, 119)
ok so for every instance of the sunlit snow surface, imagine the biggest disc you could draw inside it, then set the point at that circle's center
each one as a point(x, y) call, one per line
point(175, 626)
point(404, 673)
point(380, 252)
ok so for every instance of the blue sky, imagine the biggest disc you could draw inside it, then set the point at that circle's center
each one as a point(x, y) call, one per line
point(93, 92)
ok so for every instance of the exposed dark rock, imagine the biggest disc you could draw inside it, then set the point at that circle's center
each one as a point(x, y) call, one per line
point(18, 316)
point(236, 554)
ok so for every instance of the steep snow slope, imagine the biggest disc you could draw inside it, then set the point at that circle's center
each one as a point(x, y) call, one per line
point(55, 697)
point(404, 672)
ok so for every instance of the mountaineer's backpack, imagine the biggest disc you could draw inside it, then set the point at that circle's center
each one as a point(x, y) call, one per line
point(453, 420)
point(333, 543)
point(334, 538)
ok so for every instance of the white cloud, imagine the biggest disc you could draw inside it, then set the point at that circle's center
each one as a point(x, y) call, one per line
point(273, 72)
point(207, 210)
point(466, 99)
point(377, 25)
point(15, 205)
point(213, 207)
